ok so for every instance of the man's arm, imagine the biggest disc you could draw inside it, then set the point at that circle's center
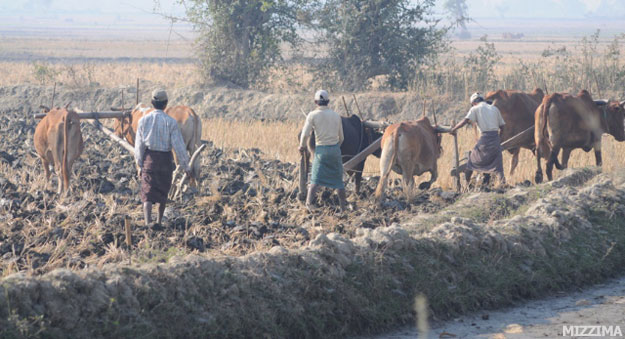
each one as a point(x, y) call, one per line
point(501, 121)
point(460, 125)
point(341, 137)
point(177, 143)
point(139, 145)
point(306, 131)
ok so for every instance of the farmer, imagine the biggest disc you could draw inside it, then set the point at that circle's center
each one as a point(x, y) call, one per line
point(486, 155)
point(156, 135)
point(327, 169)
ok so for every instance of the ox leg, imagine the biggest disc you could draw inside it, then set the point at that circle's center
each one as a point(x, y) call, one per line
point(59, 174)
point(408, 185)
point(566, 153)
point(408, 179)
point(427, 184)
point(598, 158)
point(147, 212)
point(514, 161)
point(467, 176)
point(385, 170)
point(485, 179)
point(538, 178)
point(46, 168)
point(358, 180)
point(553, 158)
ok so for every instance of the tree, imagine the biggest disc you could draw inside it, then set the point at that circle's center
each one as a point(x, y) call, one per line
point(240, 39)
point(458, 10)
point(367, 38)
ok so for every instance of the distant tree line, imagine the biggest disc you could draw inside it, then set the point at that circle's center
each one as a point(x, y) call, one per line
point(240, 40)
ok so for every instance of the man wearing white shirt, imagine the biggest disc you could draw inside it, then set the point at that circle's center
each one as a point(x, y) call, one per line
point(486, 155)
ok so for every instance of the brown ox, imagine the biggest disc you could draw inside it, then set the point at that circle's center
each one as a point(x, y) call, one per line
point(58, 141)
point(188, 121)
point(517, 110)
point(567, 122)
point(409, 148)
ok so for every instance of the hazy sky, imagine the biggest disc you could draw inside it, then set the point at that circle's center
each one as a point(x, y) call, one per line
point(103, 13)
point(477, 8)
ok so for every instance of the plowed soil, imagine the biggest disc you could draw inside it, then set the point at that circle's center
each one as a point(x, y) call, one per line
point(244, 203)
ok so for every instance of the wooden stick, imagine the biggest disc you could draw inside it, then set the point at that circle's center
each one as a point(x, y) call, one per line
point(128, 238)
point(92, 115)
point(137, 91)
point(358, 107)
point(376, 124)
point(112, 135)
point(303, 176)
point(345, 104)
point(508, 144)
point(360, 157)
point(122, 99)
point(53, 94)
point(194, 158)
point(456, 160)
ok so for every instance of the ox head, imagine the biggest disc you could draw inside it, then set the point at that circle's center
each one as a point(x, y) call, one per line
point(373, 134)
point(537, 94)
point(615, 115)
point(123, 127)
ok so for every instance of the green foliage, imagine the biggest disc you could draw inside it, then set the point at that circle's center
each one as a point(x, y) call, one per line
point(481, 64)
point(43, 73)
point(458, 11)
point(588, 65)
point(240, 39)
point(379, 37)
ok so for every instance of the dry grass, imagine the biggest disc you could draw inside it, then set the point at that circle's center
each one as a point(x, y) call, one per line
point(279, 140)
point(109, 74)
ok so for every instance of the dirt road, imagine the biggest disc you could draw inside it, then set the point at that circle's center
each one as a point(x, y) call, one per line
point(600, 305)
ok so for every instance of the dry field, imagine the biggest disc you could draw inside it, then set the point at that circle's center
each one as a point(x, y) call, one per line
point(279, 140)
point(257, 259)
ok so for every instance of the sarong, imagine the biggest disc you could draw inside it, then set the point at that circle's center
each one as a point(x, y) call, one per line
point(156, 176)
point(486, 155)
point(327, 168)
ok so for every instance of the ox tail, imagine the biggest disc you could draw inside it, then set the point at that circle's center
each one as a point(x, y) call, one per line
point(197, 141)
point(544, 133)
point(379, 192)
point(64, 165)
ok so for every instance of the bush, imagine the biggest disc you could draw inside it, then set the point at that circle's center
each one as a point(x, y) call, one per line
point(240, 39)
point(372, 37)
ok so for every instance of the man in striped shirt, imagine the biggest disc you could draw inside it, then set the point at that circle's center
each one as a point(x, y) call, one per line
point(157, 134)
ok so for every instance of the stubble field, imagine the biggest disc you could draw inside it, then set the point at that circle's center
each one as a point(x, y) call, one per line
point(241, 256)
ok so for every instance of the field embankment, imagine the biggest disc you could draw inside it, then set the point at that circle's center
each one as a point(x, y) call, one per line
point(486, 250)
point(222, 102)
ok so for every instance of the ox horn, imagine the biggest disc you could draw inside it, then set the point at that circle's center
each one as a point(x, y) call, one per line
point(374, 124)
point(440, 129)
point(45, 108)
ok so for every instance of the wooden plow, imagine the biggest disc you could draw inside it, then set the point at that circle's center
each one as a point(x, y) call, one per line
point(304, 166)
point(513, 142)
point(93, 119)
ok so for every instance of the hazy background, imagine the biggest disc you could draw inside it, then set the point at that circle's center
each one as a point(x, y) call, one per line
point(136, 19)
